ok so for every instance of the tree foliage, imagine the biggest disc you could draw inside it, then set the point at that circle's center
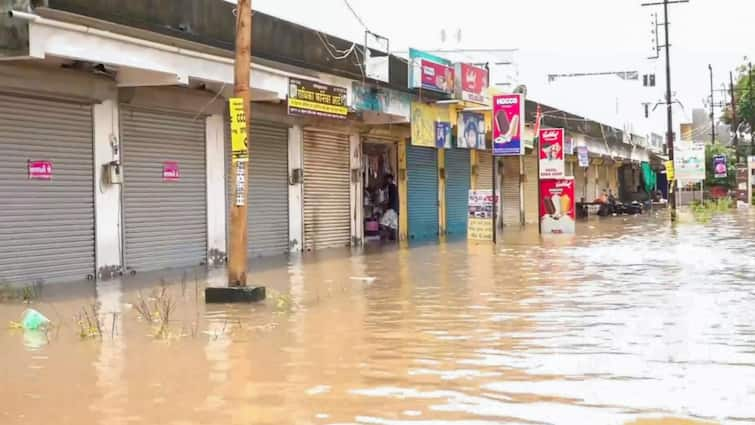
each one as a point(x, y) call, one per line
point(745, 107)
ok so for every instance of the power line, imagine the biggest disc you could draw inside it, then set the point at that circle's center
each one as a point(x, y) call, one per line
point(356, 15)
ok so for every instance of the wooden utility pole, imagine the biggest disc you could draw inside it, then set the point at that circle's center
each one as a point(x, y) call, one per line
point(237, 258)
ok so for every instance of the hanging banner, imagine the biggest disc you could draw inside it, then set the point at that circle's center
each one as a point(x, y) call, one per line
point(239, 142)
point(689, 162)
point(443, 135)
point(557, 206)
point(424, 117)
point(670, 174)
point(430, 72)
point(39, 170)
point(471, 131)
point(480, 220)
point(508, 125)
point(171, 173)
point(583, 154)
point(471, 84)
point(552, 164)
point(569, 146)
point(720, 167)
point(310, 98)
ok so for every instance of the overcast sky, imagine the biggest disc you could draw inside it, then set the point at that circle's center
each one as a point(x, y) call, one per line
point(559, 36)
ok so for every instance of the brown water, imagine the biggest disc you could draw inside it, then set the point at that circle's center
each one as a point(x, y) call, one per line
point(630, 322)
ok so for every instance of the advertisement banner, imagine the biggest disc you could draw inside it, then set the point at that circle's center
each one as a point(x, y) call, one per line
point(670, 174)
point(508, 125)
point(569, 146)
point(583, 154)
point(424, 117)
point(480, 220)
point(369, 98)
point(472, 84)
point(431, 72)
point(557, 206)
point(310, 98)
point(239, 145)
point(689, 162)
point(443, 135)
point(552, 164)
point(39, 170)
point(470, 131)
point(171, 173)
point(720, 167)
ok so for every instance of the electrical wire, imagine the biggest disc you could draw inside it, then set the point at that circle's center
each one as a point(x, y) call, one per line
point(356, 15)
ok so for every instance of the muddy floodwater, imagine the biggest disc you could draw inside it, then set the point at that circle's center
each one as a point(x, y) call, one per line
point(630, 322)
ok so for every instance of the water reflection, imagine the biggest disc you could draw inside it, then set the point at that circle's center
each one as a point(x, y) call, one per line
point(631, 321)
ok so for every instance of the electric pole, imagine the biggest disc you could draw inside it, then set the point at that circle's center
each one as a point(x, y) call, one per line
point(237, 258)
point(669, 109)
point(734, 123)
point(712, 112)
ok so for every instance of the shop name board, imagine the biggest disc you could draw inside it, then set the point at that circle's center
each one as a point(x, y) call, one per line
point(310, 98)
point(368, 98)
point(471, 84)
point(552, 164)
point(171, 172)
point(431, 72)
point(40, 170)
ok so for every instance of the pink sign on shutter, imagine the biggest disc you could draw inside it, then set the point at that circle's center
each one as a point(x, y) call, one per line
point(40, 170)
point(171, 173)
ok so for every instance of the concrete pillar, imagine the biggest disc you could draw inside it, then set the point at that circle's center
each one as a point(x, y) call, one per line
point(295, 189)
point(403, 193)
point(442, 191)
point(107, 197)
point(216, 188)
point(356, 192)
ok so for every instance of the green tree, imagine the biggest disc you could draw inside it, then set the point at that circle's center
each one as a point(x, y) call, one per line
point(745, 100)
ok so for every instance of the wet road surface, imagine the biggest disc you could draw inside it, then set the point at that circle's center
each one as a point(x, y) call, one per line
point(631, 322)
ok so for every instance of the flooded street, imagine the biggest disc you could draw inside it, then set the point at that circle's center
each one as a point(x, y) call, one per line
point(632, 321)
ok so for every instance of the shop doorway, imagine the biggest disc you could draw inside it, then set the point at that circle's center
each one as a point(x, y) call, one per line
point(381, 201)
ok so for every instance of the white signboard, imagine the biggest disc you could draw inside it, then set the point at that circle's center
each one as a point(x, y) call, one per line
point(689, 162)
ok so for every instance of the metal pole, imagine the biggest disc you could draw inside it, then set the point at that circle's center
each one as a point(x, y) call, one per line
point(734, 123)
point(752, 110)
point(495, 201)
point(237, 258)
point(712, 113)
point(669, 110)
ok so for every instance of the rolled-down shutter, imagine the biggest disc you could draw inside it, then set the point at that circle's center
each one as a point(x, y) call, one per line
point(422, 175)
point(580, 184)
point(327, 185)
point(511, 191)
point(46, 226)
point(485, 171)
point(165, 221)
point(531, 207)
point(458, 176)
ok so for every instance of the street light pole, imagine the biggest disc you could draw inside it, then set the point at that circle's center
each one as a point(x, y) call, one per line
point(237, 258)
point(712, 112)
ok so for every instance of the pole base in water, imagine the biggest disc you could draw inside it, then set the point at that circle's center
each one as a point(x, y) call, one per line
point(234, 295)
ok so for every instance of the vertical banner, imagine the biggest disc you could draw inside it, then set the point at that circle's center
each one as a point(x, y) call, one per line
point(508, 125)
point(471, 131)
point(480, 220)
point(584, 156)
point(239, 147)
point(442, 135)
point(552, 165)
point(557, 206)
point(720, 167)
point(670, 172)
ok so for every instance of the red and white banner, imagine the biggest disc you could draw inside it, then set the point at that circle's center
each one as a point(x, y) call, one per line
point(40, 170)
point(471, 83)
point(171, 173)
point(557, 206)
point(552, 165)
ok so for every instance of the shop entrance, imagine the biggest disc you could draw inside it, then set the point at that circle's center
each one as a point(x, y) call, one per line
point(381, 202)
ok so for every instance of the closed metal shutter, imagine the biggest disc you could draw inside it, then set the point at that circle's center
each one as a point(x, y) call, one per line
point(580, 185)
point(603, 184)
point(613, 179)
point(458, 174)
point(592, 186)
point(531, 204)
point(165, 222)
point(327, 185)
point(511, 195)
point(485, 171)
point(422, 175)
point(267, 198)
point(46, 227)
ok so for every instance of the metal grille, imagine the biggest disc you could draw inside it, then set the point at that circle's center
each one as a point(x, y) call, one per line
point(46, 227)
point(485, 171)
point(268, 188)
point(422, 174)
point(327, 182)
point(457, 191)
point(511, 195)
point(531, 204)
point(165, 222)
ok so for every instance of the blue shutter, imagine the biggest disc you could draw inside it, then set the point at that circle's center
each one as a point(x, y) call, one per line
point(422, 173)
point(457, 191)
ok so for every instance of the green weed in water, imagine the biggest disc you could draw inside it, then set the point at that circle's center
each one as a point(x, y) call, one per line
point(704, 211)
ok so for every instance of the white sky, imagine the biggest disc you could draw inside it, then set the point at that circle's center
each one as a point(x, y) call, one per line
point(560, 36)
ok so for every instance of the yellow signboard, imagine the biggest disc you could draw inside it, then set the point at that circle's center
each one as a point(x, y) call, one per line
point(239, 142)
point(424, 117)
point(480, 229)
point(670, 171)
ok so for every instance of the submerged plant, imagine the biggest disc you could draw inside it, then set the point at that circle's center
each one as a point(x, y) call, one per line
point(157, 310)
point(89, 321)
